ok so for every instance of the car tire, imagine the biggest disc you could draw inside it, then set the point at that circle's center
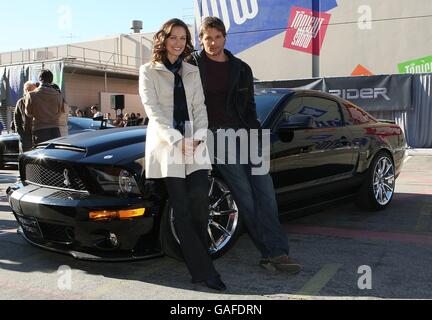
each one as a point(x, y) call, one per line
point(224, 223)
point(376, 192)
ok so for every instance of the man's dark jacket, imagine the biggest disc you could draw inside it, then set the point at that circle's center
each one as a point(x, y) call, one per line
point(23, 126)
point(240, 98)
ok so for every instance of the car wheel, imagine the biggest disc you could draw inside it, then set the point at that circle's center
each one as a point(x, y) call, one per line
point(377, 191)
point(224, 223)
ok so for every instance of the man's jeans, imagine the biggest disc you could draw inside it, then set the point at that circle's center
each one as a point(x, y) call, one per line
point(256, 201)
point(43, 135)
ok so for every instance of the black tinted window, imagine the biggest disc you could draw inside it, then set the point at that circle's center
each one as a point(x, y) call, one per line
point(357, 116)
point(265, 104)
point(324, 112)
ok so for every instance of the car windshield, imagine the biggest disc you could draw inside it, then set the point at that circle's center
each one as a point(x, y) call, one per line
point(85, 123)
point(265, 104)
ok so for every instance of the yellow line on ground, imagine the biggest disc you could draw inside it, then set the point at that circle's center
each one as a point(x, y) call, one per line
point(319, 280)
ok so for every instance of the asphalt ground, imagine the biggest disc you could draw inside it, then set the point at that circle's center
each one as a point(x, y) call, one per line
point(346, 253)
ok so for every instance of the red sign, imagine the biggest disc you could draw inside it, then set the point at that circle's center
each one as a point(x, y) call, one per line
point(306, 30)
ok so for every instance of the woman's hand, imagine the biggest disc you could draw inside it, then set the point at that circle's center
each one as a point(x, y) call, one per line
point(196, 143)
point(189, 146)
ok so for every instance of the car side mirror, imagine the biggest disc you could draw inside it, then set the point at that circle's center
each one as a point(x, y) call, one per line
point(295, 122)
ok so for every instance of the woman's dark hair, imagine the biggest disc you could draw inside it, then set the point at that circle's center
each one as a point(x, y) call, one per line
point(159, 39)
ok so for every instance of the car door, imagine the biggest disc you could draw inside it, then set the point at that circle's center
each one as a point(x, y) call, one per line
point(309, 157)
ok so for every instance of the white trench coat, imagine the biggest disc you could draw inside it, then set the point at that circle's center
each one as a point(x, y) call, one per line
point(163, 157)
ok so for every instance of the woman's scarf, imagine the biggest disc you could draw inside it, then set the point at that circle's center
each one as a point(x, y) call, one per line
point(181, 115)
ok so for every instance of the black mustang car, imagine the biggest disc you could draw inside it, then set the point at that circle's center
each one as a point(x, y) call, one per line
point(86, 195)
point(9, 143)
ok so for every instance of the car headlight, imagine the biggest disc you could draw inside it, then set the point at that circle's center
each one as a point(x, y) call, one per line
point(126, 182)
point(116, 181)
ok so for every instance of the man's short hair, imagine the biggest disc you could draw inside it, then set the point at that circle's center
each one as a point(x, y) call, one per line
point(94, 108)
point(212, 22)
point(46, 76)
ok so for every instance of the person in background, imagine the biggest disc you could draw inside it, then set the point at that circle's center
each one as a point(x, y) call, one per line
point(132, 120)
point(79, 113)
point(46, 106)
point(126, 118)
point(171, 109)
point(23, 123)
point(95, 111)
point(118, 122)
point(107, 117)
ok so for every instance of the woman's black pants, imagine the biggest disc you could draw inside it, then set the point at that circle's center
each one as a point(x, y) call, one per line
point(190, 201)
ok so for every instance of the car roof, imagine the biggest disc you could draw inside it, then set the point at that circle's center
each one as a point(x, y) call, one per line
point(273, 91)
point(289, 91)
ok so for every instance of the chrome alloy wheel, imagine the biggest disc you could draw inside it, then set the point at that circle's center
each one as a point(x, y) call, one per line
point(223, 216)
point(384, 181)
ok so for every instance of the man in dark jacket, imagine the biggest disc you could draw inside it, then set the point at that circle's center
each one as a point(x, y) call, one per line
point(229, 93)
point(23, 123)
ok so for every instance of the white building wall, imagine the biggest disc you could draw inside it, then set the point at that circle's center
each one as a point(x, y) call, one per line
point(84, 91)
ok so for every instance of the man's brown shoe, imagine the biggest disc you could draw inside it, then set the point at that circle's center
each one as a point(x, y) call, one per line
point(281, 263)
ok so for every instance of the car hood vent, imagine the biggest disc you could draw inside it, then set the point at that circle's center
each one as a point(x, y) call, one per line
point(61, 147)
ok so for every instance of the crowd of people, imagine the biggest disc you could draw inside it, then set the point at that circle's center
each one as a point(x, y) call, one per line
point(120, 120)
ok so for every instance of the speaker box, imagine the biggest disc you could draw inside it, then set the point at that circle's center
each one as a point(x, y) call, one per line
point(118, 102)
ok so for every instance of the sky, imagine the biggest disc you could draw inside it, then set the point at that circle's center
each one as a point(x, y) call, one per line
point(26, 24)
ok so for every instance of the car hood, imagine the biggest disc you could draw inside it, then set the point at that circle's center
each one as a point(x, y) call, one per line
point(109, 146)
point(9, 136)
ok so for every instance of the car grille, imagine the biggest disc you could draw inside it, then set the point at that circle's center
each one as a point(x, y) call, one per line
point(52, 174)
point(68, 195)
point(56, 233)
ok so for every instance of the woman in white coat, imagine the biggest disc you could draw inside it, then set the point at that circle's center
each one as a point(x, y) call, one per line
point(176, 149)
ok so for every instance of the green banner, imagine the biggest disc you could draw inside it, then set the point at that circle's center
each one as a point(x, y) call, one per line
point(422, 65)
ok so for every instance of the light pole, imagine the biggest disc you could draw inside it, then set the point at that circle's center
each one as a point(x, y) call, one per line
point(316, 42)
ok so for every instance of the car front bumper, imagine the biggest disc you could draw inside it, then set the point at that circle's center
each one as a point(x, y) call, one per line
point(59, 221)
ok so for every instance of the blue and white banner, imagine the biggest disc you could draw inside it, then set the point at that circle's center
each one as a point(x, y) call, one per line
point(250, 22)
point(16, 77)
point(2, 84)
